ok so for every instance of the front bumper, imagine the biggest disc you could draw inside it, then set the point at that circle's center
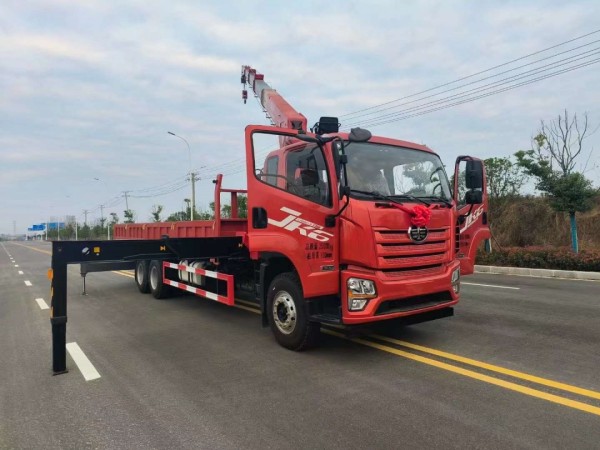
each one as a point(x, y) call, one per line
point(400, 298)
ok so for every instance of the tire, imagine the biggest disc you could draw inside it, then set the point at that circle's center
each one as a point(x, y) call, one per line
point(288, 314)
point(155, 280)
point(141, 276)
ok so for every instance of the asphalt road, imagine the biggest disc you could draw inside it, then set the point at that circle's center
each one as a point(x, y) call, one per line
point(518, 366)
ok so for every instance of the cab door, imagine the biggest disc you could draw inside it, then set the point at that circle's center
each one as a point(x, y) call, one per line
point(290, 195)
point(470, 194)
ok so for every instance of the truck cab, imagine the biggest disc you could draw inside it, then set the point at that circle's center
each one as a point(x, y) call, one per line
point(343, 215)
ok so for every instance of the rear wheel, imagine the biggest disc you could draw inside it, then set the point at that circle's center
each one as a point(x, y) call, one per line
point(141, 276)
point(288, 314)
point(155, 279)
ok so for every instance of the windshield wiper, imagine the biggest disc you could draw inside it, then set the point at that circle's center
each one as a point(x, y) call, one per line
point(436, 198)
point(411, 197)
point(389, 198)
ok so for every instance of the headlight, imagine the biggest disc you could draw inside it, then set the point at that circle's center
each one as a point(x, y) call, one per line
point(359, 293)
point(360, 286)
point(455, 280)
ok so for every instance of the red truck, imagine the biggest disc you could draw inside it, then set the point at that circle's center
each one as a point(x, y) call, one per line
point(343, 228)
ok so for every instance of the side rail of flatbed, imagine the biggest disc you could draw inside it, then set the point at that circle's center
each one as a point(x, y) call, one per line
point(102, 255)
point(228, 299)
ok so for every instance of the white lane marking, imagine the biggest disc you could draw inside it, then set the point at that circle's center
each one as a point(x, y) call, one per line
point(16, 265)
point(42, 303)
point(86, 368)
point(20, 272)
point(491, 285)
point(28, 283)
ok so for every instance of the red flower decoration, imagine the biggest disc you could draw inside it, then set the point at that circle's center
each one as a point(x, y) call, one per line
point(420, 216)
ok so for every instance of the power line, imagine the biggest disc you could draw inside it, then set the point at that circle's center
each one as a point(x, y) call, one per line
point(472, 92)
point(472, 75)
point(165, 185)
point(164, 192)
point(402, 117)
point(486, 78)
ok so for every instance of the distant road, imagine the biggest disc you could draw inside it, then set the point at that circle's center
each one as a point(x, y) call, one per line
point(517, 366)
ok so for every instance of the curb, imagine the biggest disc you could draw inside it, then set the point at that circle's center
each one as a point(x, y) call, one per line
point(541, 273)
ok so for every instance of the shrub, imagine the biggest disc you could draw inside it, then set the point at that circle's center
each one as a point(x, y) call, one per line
point(530, 221)
point(542, 258)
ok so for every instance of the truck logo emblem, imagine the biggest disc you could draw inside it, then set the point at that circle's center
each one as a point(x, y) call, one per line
point(472, 218)
point(305, 228)
point(417, 234)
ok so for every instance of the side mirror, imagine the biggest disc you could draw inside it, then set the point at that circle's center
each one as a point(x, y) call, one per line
point(474, 175)
point(474, 197)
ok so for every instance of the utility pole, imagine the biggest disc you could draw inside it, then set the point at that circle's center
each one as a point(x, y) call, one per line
point(126, 201)
point(194, 179)
point(187, 201)
point(192, 174)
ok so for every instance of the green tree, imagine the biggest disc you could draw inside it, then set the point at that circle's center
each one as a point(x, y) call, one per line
point(242, 206)
point(98, 229)
point(204, 215)
point(504, 179)
point(156, 211)
point(114, 219)
point(84, 232)
point(225, 211)
point(552, 162)
point(178, 216)
point(242, 201)
point(129, 216)
point(181, 216)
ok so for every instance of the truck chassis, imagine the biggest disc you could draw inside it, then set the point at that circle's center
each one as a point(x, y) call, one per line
point(97, 256)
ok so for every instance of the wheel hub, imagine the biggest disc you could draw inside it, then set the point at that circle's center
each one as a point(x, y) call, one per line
point(154, 277)
point(140, 273)
point(284, 312)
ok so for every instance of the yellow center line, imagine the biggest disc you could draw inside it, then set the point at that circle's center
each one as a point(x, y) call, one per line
point(34, 249)
point(462, 371)
point(123, 273)
point(493, 368)
point(475, 375)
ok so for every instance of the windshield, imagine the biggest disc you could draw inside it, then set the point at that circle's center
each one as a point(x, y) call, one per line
point(396, 171)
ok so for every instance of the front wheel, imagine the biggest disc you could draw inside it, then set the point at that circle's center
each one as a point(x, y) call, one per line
point(288, 314)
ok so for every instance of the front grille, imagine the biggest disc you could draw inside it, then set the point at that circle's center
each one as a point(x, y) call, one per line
point(457, 239)
point(395, 249)
point(413, 303)
point(395, 274)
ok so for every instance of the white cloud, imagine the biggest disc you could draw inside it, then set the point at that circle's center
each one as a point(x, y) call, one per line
point(90, 89)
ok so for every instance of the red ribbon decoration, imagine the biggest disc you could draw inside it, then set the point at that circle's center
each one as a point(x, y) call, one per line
point(420, 215)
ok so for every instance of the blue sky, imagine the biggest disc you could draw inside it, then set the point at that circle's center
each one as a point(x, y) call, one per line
point(89, 89)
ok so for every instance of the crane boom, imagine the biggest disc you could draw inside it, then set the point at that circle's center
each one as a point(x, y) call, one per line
point(278, 110)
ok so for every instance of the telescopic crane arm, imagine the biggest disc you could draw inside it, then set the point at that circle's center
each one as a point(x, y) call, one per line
point(278, 110)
